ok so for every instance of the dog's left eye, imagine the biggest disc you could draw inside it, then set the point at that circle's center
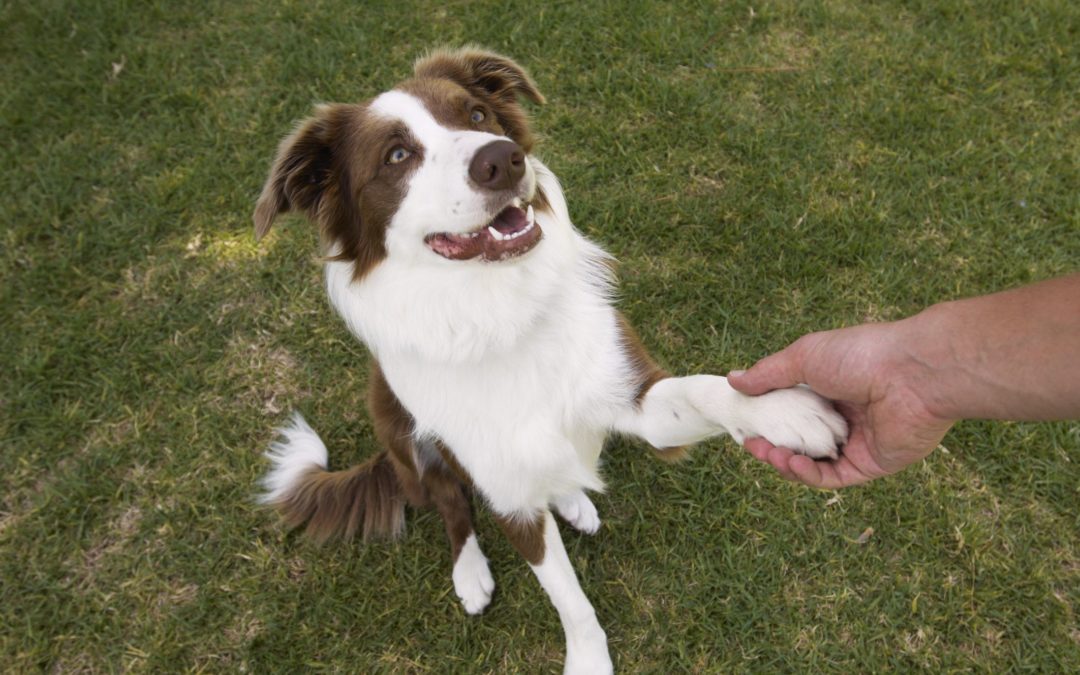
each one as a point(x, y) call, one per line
point(398, 155)
point(478, 116)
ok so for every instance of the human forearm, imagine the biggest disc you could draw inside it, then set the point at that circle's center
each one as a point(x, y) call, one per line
point(1010, 355)
point(901, 385)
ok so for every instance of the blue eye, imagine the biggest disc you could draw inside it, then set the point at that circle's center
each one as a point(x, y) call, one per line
point(478, 116)
point(398, 155)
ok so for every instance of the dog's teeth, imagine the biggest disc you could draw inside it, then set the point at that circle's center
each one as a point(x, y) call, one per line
point(520, 232)
point(529, 215)
point(495, 234)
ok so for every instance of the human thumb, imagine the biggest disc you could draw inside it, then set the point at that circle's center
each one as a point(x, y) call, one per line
point(777, 371)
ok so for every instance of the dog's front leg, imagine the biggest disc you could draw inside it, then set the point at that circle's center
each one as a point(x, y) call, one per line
point(678, 411)
point(537, 539)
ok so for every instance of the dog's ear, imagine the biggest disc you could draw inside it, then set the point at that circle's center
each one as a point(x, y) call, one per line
point(303, 170)
point(481, 72)
point(495, 78)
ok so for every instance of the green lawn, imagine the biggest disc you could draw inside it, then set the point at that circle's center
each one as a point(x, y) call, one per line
point(760, 169)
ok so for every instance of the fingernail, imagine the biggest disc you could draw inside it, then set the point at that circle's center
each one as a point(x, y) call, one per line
point(736, 373)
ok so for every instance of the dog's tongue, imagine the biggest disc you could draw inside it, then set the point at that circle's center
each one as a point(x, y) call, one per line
point(508, 235)
point(510, 220)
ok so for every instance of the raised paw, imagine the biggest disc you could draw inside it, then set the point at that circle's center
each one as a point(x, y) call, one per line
point(578, 510)
point(473, 582)
point(797, 419)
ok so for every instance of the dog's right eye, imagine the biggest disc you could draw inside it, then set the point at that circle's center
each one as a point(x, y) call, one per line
point(398, 155)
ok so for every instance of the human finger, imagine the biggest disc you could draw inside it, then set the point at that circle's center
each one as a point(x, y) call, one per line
point(780, 459)
point(777, 371)
point(759, 448)
point(826, 475)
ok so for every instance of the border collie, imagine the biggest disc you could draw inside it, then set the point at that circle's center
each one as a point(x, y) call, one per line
point(500, 364)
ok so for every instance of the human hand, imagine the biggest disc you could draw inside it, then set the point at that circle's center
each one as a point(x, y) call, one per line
point(874, 382)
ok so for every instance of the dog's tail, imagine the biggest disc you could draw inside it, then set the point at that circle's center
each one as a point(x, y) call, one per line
point(365, 499)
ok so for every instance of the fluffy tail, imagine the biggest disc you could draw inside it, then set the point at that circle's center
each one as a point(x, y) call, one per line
point(366, 498)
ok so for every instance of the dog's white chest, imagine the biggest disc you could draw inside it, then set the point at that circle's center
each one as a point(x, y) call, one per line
point(529, 421)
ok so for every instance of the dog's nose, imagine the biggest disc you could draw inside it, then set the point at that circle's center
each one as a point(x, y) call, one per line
point(499, 165)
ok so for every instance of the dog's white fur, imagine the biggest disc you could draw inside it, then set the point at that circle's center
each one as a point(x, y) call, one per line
point(299, 449)
point(519, 368)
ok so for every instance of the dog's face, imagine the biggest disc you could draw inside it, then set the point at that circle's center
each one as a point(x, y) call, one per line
point(436, 170)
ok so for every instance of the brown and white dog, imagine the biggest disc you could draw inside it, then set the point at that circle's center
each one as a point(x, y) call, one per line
point(500, 364)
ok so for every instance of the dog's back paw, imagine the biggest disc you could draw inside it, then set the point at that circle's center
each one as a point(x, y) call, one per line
point(473, 582)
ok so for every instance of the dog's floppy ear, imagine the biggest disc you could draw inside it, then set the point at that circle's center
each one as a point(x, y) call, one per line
point(489, 76)
point(480, 71)
point(303, 169)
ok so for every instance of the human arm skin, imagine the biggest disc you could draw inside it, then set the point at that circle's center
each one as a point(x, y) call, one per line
point(1012, 355)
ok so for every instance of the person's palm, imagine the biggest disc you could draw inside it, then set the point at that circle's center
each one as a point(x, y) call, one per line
point(867, 374)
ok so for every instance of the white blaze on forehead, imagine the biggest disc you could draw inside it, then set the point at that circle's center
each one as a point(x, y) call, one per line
point(397, 105)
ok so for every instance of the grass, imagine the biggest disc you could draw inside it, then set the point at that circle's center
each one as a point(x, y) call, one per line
point(761, 170)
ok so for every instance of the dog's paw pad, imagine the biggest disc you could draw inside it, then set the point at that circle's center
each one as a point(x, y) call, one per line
point(578, 510)
point(473, 582)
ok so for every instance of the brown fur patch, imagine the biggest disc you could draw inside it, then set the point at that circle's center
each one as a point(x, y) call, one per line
point(527, 536)
point(671, 455)
point(646, 374)
point(540, 200)
point(394, 431)
point(496, 80)
point(451, 499)
point(333, 169)
point(645, 369)
point(363, 499)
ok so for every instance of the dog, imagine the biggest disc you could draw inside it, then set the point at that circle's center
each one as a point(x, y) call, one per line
point(500, 363)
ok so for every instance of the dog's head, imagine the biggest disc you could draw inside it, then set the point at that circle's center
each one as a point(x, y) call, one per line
point(436, 169)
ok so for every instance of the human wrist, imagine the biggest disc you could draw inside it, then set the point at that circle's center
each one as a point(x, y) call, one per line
point(931, 365)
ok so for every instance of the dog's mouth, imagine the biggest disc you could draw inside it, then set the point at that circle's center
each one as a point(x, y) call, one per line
point(512, 233)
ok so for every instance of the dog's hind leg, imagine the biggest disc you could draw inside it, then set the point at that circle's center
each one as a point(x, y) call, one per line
point(473, 582)
point(429, 480)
